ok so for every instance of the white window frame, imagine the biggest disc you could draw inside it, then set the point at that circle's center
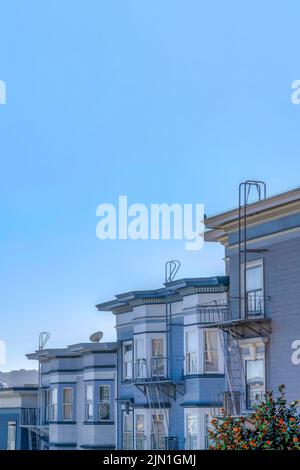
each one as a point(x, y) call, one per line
point(89, 403)
point(104, 402)
point(66, 405)
point(126, 376)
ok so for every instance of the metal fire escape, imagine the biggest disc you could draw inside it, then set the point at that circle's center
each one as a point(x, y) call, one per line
point(239, 316)
point(155, 378)
point(32, 419)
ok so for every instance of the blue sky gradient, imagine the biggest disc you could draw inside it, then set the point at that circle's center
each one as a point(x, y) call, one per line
point(163, 101)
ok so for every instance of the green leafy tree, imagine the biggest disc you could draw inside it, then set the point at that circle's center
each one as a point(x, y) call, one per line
point(273, 425)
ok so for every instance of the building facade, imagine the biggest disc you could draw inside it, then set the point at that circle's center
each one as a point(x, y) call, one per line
point(189, 348)
point(170, 371)
point(260, 324)
point(77, 396)
point(18, 413)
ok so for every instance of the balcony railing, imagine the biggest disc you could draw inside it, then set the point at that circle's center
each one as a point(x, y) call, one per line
point(253, 306)
point(254, 398)
point(158, 369)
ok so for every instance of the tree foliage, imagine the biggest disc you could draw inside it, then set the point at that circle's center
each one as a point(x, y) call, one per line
point(274, 424)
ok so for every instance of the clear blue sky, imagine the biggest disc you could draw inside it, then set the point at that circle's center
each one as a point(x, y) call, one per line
point(164, 101)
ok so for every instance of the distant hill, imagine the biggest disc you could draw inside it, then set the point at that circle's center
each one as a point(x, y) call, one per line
point(19, 378)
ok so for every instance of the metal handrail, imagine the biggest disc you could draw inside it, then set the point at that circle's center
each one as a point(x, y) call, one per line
point(222, 312)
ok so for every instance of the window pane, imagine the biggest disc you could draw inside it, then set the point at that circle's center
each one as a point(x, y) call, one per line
point(128, 361)
point(191, 339)
point(67, 395)
point(104, 411)
point(139, 349)
point(89, 392)
point(54, 396)
point(255, 381)
point(192, 431)
point(157, 347)
point(254, 279)
point(103, 393)
point(211, 351)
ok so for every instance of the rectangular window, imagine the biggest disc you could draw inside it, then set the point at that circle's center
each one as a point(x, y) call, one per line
point(54, 394)
point(140, 365)
point(254, 289)
point(11, 435)
point(211, 360)
point(104, 402)
point(192, 431)
point(191, 352)
point(89, 402)
point(127, 361)
point(158, 437)
point(255, 382)
point(127, 430)
point(67, 404)
point(140, 437)
point(157, 357)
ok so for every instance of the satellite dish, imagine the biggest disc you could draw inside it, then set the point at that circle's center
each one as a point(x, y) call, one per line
point(96, 337)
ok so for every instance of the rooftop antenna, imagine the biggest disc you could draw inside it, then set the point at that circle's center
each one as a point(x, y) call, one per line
point(43, 339)
point(96, 337)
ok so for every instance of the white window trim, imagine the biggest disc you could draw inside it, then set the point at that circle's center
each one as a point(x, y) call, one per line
point(63, 404)
point(104, 402)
